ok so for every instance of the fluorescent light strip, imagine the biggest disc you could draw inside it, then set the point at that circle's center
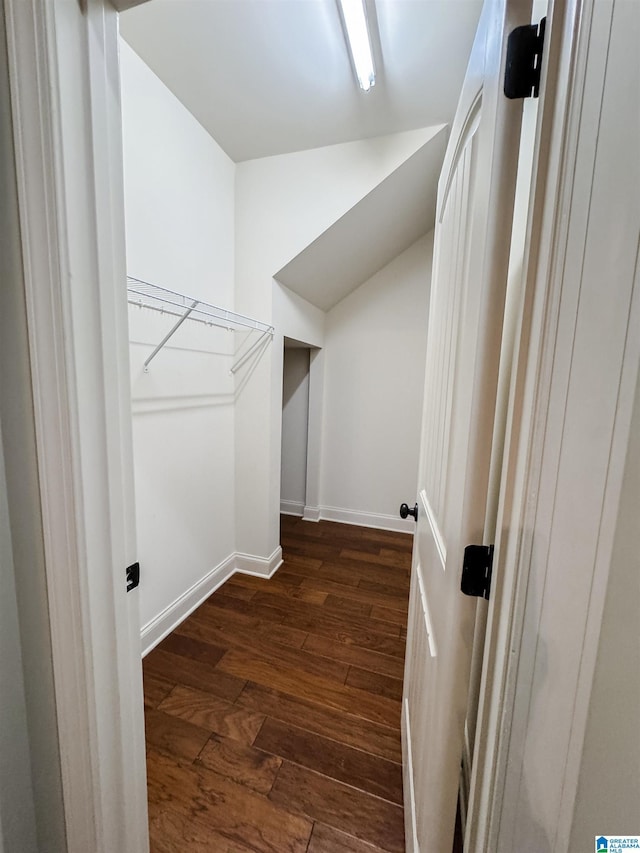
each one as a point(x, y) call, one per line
point(355, 22)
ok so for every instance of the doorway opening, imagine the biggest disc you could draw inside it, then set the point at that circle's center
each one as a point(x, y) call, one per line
point(295, 427)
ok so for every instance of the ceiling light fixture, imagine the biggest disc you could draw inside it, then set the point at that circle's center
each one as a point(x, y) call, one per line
point(355, 24)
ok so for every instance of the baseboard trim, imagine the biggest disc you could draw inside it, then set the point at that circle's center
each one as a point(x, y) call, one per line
point(311, 513)
point(366, 519)
point(157, 629)
point(246, 564)
point(410, 825)
point(164, 623)
point(292, 508)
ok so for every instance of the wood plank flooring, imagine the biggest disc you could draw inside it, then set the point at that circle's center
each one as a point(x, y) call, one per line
point(273, 711)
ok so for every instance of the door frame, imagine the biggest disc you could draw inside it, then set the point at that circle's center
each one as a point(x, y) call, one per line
point(74, 219)
point(65, 94)
point(541, 424)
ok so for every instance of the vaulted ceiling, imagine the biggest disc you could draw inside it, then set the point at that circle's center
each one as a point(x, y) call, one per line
point(274, 76)
point(269, 77)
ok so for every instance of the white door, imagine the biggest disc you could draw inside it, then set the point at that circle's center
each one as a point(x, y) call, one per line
point(473, 228)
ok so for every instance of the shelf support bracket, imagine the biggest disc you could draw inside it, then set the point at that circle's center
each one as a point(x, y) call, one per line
point(171, 332)
point(250, 351)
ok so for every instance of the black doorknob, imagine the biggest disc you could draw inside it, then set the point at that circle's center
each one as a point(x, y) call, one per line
point(405, 511)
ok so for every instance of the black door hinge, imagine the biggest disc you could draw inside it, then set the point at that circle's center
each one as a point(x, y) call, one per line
point(133, 576)
point(476, 570)
point(525, 46)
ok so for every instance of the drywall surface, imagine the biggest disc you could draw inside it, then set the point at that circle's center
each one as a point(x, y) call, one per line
point(296, 318)
point(282, 204)
point(366, 237)
point(179, 205)
point(295, 424)
point(375, 348)
point(285, 202)
point(609, 784)
point(179, 189)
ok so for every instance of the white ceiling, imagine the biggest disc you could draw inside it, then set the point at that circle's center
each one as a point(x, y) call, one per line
point(273, 76)
point(367, 237)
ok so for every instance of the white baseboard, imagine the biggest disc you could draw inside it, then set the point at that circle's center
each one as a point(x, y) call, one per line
point(158, 628)
point(263, 568)
point(153, 632)
point(410, 825)
point(291, 507)
point(366, 519)
point(311, 513)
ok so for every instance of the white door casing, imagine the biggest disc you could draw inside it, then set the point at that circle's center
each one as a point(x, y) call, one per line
point(475, 200)
point(65, 88)
point(568, 434)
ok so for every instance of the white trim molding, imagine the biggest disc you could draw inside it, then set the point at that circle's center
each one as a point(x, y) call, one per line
point(570, 420)
point(64, 74)
point(292, 508)
point(247, 564)
point(244, 564)
point(311, 513)
point(164, 623)
point(363, 519)
point(410, 826)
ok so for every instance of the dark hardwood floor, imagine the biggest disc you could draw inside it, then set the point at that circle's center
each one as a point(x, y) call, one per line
point(273, 711)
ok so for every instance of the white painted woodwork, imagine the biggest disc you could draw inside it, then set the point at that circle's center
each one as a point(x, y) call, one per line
point(68, 141)
point(177, 611)
point(569, 474)
point(510, 332)
point(31, 807)
point(563, 525)
point(476, 192)
point(573, 445)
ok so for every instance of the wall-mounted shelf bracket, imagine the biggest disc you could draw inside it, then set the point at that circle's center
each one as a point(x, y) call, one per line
point(146, 295)
point(169, 334)
point(247, 355)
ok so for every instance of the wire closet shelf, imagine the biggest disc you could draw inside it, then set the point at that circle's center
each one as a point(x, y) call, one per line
point(146, 295)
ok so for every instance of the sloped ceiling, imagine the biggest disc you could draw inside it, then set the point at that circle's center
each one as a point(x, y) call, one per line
point(273, 77)
point(269, 77)
point(373, 232)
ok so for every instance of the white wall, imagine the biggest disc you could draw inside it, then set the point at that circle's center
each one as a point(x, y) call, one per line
point(282, 204)
point(208, 446)
point(287, 201)
point(295, 424)
point(375, 348)
point(179, 206)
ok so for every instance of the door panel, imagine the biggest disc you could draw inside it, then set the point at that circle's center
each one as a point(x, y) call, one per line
point(475, 199)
